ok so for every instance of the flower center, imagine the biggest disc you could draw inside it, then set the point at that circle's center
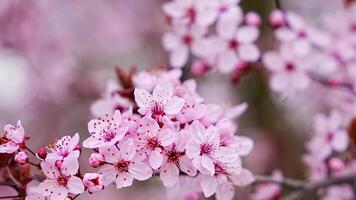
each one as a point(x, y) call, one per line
point(290, 67)
point(191, 14)
point(219, 169)
point(206, 149)
point(109, 135)
point(329, 136)
point(152, 143)
point(173, 156)
point(123, 166)
point(63, 180)
point(187, 40)
point(4, 140)
point(157, 111)
point(233, 44)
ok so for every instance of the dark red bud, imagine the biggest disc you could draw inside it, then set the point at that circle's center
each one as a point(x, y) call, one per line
point(42, 153)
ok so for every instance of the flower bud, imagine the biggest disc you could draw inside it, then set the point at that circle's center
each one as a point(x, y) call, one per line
point(336, 164)
point(78, 148)
point(42, 153)
point(252, 19)
point(277, 18)
point(96, 160)
point(21, 157)
point(93, 182)
point(199, 68)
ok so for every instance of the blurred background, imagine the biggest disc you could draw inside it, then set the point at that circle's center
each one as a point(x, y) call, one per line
point(56, 56)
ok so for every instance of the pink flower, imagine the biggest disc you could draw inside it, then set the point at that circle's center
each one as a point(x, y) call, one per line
point(330, 134)
point(204, 148)
point(175, 161)
point(269, 191)
point(344, 192)
point(201, 12)
point(61, 181)
point(151, 141)
point(110, 101)
point(227, 174)
point(13, 138)
point(123, 167)
point(105, 131)
point(181, 40)
point(93, 182)
point(288, 72)
point(235, 44)
point(21, 157)
point(66, 146)
point(160, 104)
point(96, 160)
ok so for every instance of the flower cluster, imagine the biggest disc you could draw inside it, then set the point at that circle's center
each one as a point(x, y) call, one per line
point(216, 32)
point(306, 53)
point(168, 130)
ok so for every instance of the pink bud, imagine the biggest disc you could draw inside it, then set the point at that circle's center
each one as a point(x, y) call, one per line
point(199, 68)
point(96, 160)
point(277, 18)
point(42, 153)
point(93, 182)
point(78, 148)
point(21, 157)
point(252, 19)
point(336, 164)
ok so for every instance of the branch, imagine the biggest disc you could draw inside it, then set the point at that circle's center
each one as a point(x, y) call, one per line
point(286, 182)
point(312, 187)
point(278, 4)
point(332, 83)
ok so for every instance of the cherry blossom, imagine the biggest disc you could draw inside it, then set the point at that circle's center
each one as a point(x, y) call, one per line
point(93, 182)
point(21, 157)
point(61, 180)
point(105, 131)
point(160, 104)
point(66, 146)
point(269, 191)
point(13, 138)
point(123, 167)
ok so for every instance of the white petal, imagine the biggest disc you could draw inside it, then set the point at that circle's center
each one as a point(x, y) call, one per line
point(49, 170)
point(227, 61)
point(179, 57)
point(340, 141)
point(209, 185)
point(247, 34)
point(162, 92)
point(186, 165)
point(248, 53)
point(170, 41)
point(198, 132)
point(109, 174)
point(75, 185)
point(70, 165)
point(169, 174)
point(174, 105)
point(143, 98)
point(128, 149)
point(123, 180)
point(208, 164)
point(156, 158)
point(140, 171)
point(225, 191)
point(244, 145)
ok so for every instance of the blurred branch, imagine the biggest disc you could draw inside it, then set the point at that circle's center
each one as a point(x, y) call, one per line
point(312, 187)
point(286, 182)
point(278, 4)
point(332, 83)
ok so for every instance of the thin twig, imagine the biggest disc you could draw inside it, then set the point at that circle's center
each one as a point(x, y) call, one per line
point(332, 83)
point(314, 186)
point(10, 197)
point(28, 149)
point(286, 182)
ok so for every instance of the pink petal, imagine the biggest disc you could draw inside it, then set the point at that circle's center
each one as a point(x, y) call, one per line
point(208, 185)
point(174, 9)
point(170, 41)
point(225, 191)
point(273, 61)
point(166, 137)
point(174, 105)
point(244, 145)
point(49, 170)
point(197, 130)
point(186, 165)
point(236, 111)
point(109, 174)
point(9, 147)
point(127, 149)
point(243, 179)
point(179, 57)
point(340, 141)
point(73, 142)
point(110, 153)
point(162, 92)
point(193, 149)
point(91, 142)
point(226, 26)
point(148, 126)
point(143, 98)
point(169, 174)
point(248, 52)
point(75, 185)
point(247, 34)
point(208, 164)
point(70, 165)
point(123, 180)
point(156, 158)
point(227, 61)
point(53, 190)
point(140, 171)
